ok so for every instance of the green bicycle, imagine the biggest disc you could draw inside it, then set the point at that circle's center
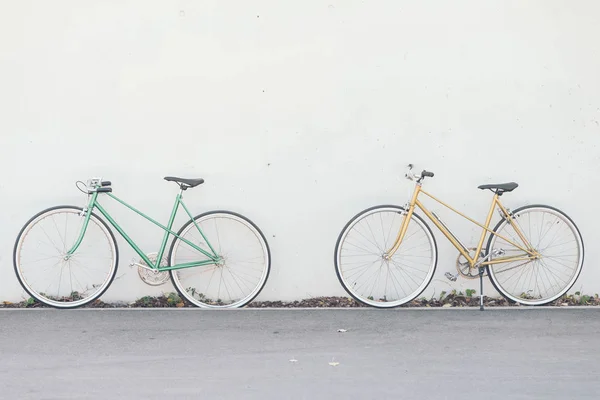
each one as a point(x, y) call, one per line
point(67, 256)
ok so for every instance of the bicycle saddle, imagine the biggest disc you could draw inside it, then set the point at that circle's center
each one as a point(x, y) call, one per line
point(189, 183)
point(500, 187)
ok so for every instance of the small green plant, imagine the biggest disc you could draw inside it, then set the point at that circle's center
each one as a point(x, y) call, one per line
point(173, 299)
point(470, 292)
point(527, 296)
point(146, 301)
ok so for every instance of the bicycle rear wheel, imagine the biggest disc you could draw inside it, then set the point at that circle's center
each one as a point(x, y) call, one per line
point(43, 268)
point(552, 234)
point(363, 271)
point(235, 281)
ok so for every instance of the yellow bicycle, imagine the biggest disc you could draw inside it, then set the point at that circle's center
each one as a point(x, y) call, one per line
point(387, 255)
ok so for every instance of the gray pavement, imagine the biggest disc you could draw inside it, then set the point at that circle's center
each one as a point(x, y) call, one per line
point(245, 354)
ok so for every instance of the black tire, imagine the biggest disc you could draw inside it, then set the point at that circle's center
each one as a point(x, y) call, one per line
point(564, 290)
point(247, 300)
point(355, 218)
point(91, 298)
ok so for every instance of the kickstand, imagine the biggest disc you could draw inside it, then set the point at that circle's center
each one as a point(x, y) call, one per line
point(481, 269)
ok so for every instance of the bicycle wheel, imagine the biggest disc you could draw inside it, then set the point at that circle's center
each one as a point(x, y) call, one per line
point(537, 282)
point(235, 281)
point(47, 275)
point(363, 271)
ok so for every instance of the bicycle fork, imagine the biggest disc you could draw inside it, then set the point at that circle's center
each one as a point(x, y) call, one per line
point(87, 213)
point(407, 213)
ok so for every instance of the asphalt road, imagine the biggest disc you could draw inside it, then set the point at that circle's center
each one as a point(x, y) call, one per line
point(245, 354)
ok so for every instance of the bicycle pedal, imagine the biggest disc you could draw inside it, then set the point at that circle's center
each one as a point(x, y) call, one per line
point(451, 277)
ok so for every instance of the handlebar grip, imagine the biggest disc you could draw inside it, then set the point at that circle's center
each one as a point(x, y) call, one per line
point(427, 174)
point(106, 183)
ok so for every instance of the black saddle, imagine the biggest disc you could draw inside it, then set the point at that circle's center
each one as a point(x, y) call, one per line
point(184, 183)
point(500, 187)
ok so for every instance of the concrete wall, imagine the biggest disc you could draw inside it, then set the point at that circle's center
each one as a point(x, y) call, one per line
point(298, 115)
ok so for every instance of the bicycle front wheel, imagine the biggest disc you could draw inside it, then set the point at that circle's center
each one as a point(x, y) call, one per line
point(539, 281)
point(238, 278)
point(367, 275)
point(50, 276)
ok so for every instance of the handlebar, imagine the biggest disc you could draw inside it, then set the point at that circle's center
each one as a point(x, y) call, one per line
point(94, 185)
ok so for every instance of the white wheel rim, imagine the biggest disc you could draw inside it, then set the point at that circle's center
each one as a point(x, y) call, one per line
point(568, 283)
point(414, 293)
point(252, 293)
point(25, 281)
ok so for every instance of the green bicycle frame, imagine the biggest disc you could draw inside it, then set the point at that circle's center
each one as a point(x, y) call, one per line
point(93, 204)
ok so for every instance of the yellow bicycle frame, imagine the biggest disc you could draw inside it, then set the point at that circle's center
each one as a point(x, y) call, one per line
point(529, 252)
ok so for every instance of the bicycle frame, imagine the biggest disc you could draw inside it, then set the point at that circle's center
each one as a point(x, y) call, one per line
point(529, 252)
point(93, 204)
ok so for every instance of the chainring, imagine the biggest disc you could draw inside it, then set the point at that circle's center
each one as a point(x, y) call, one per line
point(462, 266)
point(153, 278)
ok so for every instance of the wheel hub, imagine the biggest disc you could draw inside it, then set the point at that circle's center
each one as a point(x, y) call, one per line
point(221, 262)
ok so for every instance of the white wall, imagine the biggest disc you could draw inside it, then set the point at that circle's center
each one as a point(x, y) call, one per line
point(298, 115)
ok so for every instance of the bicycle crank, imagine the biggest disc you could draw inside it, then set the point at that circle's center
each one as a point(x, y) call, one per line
point(462, 266)
point(150, 276)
